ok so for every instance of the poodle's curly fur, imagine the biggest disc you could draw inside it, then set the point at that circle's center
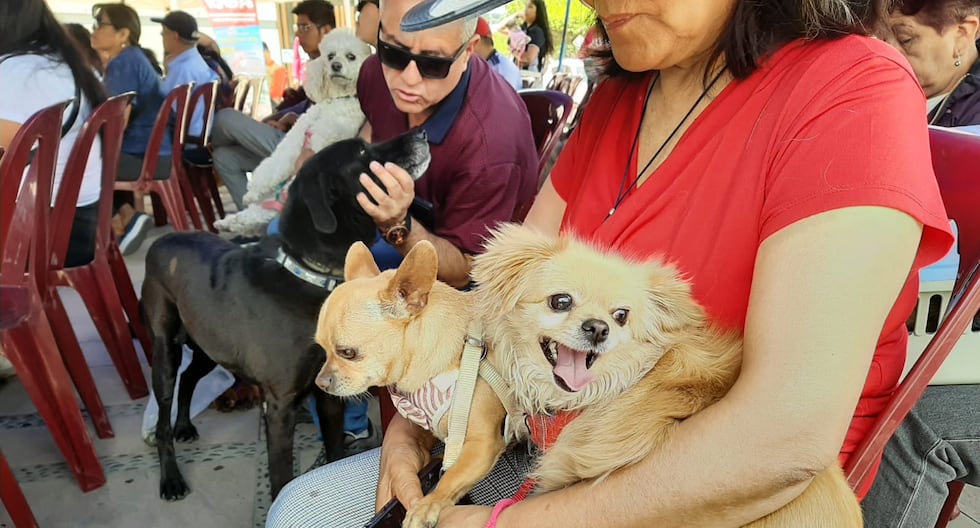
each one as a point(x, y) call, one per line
point(331, 83)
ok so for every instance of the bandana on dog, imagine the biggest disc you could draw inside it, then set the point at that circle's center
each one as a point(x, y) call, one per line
point(427, 406)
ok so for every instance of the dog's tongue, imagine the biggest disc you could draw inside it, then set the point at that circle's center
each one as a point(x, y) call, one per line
point(570, 367)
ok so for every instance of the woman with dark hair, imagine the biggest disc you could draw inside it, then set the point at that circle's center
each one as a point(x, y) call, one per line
point(939, 38)
point(538, 29)
point(116, 33)
point(83, 39)
point(939, 442)
point(765, 149)
point(40, 66)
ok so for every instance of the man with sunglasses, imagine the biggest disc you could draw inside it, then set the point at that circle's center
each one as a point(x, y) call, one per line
point(484, 162)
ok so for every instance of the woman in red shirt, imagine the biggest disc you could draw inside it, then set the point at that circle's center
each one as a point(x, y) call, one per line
point(787, 179)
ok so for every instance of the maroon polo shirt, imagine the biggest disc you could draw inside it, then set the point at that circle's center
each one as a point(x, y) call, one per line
point(484, 161)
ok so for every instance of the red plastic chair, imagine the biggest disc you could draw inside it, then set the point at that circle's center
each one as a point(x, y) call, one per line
point(199, 170)
point(549, 110)
point(95, 281)
point(14, 309)
point(30, 344)
point(174, 192)
point(954, 159)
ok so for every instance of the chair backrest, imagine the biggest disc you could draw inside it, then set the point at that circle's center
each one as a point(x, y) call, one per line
point(180, 96)
point(205, 94)
point(109, 119)
point(24, 240)
point(242, 86)
point(549, 112)
point(956, 160)
point(954, 156)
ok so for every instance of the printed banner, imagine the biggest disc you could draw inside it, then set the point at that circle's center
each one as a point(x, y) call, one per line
point(236, 29)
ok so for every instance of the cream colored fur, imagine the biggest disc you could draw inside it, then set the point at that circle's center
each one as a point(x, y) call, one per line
point(663, 365)
point(335, 116)
point(402, 328)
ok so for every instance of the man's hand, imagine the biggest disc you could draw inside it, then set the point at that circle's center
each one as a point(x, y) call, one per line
point(304, 155)
point(285, 122)
point(390, 202)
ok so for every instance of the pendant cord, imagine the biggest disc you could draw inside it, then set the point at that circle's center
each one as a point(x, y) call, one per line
point(623, 193)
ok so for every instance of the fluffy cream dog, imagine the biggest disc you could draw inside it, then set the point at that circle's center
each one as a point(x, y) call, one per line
point(625, 345)
point(331, 83)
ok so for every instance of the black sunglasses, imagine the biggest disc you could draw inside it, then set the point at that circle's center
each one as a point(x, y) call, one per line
point(429, 67)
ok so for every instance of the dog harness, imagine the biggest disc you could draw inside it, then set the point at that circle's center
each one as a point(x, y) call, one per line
point(427, 406)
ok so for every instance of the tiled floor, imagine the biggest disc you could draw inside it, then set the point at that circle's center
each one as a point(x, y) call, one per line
point(225, 468)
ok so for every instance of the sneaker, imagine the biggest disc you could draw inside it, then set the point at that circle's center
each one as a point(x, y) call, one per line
point(135, 233)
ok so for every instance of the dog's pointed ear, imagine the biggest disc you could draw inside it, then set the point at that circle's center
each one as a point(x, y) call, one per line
point(502, 270)
point(360, 263)
point(409, 288)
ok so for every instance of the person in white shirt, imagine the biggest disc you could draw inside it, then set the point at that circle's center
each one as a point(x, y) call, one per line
point(41, 66)
point(500, 64)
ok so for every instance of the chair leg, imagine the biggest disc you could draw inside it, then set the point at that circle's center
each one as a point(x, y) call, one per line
point(187, 194)
point(78, 369)
point(159, 210)
point(955, 489)
point(123, 357)
point(173, 203)
point(32, 350)
point(201, 195)
point(13, 498)
point(109, 295)
point(130, 303)
point(212, 183)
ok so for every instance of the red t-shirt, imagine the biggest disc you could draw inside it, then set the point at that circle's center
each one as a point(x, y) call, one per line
point(820, 126)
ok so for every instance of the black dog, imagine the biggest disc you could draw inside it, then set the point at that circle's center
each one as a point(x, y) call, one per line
point(253, 310)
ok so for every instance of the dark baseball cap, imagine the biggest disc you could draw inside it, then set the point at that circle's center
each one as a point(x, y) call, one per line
point(181, 23)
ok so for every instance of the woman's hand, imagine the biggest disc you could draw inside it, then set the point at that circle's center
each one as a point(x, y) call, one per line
point(405, 451)
point(465, 517)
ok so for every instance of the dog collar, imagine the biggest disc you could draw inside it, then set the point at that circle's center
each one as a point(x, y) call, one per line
point(322, 280)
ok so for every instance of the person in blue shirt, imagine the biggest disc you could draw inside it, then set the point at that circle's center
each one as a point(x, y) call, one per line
point(116, 34)
point(500, 64)
point(184, 63)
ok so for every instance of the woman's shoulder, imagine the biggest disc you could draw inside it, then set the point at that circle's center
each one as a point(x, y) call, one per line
point(28, 62)
point(823, 61)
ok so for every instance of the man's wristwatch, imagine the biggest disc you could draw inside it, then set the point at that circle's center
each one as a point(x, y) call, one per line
point(397, 234)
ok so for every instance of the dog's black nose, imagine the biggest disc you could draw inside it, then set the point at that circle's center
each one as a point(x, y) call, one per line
point(336, 66)
point(597, 330)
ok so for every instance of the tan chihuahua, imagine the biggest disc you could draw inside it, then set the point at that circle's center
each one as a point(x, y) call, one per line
point(404, 330)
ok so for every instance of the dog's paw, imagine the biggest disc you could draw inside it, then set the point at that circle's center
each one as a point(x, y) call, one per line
point(185, 432)
point(173, 488)
point(425, 513)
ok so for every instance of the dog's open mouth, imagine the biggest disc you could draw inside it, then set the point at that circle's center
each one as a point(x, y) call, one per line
point(570, 366)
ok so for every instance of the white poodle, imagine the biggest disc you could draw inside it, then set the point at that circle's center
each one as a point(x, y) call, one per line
point(331, 83)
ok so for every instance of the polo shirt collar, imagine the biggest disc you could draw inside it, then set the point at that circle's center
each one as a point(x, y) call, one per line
point(438, 125)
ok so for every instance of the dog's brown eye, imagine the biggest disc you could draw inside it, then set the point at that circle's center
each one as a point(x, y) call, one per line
point(330, 56)
point(347, 353)
point(351, 57)
point(620, 316)
point(560, 302)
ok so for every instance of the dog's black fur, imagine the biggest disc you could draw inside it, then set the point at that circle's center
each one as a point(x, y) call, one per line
point(237, 307)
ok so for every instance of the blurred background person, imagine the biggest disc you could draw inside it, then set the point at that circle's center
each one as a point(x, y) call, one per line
point(484, 48)
point(368, 21)
point(184, 63)
point(41, 65)
point(82, 38)
point(939, 38)
point(116, 33)
point(541, 43)
point(277, 75)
